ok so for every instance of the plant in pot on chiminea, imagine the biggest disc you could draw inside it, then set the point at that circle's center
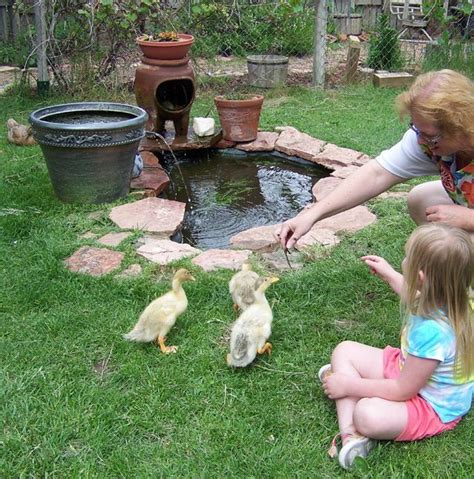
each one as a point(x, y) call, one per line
point(165, 45)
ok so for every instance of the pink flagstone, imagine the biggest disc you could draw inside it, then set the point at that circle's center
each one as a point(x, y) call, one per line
point(265, 142)
point(150, 160)
point(362, 160)
point(294, 143)
point(150, 214)
point(163, 251)
point(317, 235)
point(213, 259)
point(132, 271)
point(94, 261)
point(114, 239)
point(345, 171)
point(351, 220)
point(324, 186)
point(333, 156)
point(151, 178)
point(260, 239)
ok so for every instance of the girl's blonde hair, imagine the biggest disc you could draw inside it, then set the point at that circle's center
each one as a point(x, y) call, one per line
point(444, 98)
point(445, 256)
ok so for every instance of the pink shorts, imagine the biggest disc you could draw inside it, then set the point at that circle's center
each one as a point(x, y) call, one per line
point(422, 418)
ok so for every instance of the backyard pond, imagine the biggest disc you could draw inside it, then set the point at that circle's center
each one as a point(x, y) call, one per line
point(229, 191)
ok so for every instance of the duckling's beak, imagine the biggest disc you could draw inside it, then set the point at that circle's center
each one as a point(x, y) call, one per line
point(191, 278)
point(274, 279)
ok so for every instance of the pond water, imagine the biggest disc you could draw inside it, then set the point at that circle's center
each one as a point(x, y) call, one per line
point(227, 192)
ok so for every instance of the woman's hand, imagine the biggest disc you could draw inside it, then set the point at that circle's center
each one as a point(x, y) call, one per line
point(293, 229)
point(453, 215)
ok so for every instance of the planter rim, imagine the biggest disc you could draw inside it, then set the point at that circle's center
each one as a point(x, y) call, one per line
point(38, 117)
point(185, 37)
point(267, 59)
point(243, 102)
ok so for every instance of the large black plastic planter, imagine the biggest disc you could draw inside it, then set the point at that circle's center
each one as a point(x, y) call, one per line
point(89, 148)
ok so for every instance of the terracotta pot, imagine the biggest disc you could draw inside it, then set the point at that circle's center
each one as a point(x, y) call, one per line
point(167, 50)
point(239, 118)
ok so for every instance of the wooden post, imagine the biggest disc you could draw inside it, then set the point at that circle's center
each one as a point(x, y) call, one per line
point(319, 54)
point(405, 9)
point(353, 55)
point(41, 47)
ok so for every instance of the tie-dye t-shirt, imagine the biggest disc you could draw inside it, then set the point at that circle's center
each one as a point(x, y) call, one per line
point(408, 159)
point(448, 394)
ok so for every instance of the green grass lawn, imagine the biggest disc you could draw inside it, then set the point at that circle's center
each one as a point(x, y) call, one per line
point(79, 401)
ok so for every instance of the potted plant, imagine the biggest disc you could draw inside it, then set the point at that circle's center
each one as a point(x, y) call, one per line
point(165, 45)
point(239, 115)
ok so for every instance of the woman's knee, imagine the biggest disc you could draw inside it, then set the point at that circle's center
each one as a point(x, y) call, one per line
point(416, 202)
point(424, 195)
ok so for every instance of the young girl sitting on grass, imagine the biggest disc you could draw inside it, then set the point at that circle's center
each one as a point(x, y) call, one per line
point(425, 387)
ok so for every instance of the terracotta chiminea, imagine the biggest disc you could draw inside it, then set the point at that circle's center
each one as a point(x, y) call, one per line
point(165, 89)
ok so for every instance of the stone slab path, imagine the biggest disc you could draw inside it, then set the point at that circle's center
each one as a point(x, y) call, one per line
point(158, 218)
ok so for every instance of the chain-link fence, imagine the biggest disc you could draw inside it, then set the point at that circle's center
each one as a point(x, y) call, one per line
point(340, 40)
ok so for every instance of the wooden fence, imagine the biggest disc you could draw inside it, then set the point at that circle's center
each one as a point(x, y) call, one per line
point(13, 25)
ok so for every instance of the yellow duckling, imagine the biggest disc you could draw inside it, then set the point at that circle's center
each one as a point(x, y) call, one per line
point(19, 134)
point(252, 329)
point(161, 314)
point(242, 287)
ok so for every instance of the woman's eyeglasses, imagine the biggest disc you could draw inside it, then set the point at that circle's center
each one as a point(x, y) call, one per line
point(431, 140)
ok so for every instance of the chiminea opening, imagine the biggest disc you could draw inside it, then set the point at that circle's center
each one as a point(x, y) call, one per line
point(175, 95)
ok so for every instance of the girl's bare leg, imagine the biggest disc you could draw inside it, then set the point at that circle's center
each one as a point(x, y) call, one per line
point(380, 419)
point(358, 360)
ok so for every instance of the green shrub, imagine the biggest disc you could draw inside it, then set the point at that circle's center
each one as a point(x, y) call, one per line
point(17, 53)
point(450, 53)
point(384, 47)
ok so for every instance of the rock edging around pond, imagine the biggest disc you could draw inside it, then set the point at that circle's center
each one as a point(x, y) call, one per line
point(149, 214)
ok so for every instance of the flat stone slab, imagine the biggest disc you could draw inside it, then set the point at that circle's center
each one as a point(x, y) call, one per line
point(351, 220)
point(333, 156)
point(324, 186)
point(294, 143)
point(213, 259)
point(277, 260)
point(344, 171)
point(317, 235)
point(260, 238)
point(132, 271)
point(150, 214)
point(265, 142)
point(190, 142)
point(153, 178)
point(113, 239)
point(163, 251)
point(94, 261)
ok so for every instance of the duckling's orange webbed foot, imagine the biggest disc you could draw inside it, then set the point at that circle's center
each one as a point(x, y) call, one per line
point(165, 349)
point(267, 348)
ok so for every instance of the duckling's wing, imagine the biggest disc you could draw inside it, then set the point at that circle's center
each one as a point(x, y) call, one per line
point(240, 348)
point(156, 319)
point(245, 296)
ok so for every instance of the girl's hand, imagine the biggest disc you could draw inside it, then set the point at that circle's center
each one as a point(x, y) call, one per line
point(336, 385)
point(385, 272)
point(379, 267)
